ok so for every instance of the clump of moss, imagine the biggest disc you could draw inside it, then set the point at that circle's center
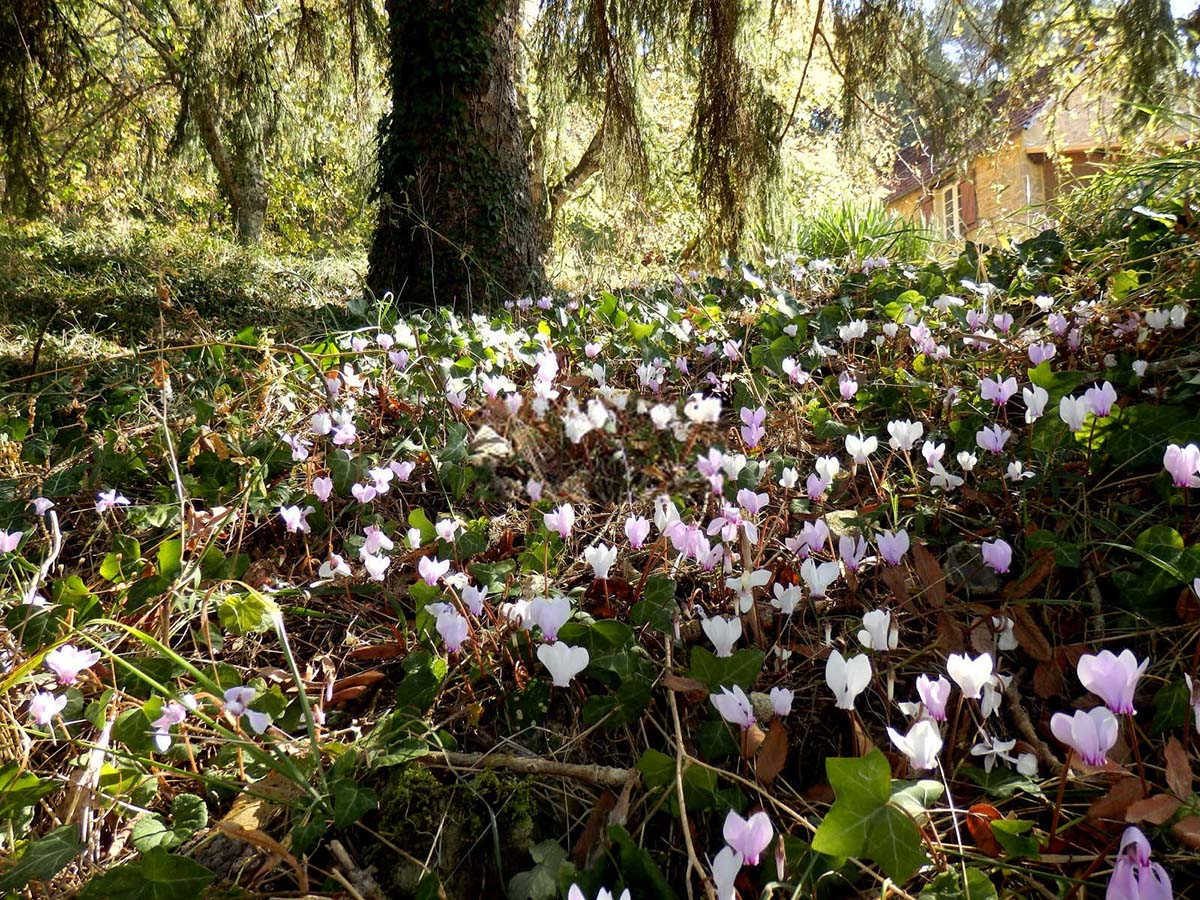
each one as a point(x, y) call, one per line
point(478, 828)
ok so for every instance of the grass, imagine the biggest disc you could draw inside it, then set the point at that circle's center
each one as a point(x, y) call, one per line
point(372, 771)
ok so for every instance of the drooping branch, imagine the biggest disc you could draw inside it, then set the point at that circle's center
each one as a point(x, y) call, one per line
point(589, 164)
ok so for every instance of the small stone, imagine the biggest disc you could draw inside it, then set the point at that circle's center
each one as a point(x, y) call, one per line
point(965, 569)
point(842, 523)
point(764, 709)
point(488, 448)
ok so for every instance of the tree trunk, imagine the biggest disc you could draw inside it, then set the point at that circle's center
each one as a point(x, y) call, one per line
point(457, 222)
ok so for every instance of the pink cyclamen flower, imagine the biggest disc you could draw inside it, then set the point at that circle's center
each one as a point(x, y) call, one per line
point(173, 713)
point(997, 555)
point(45, 706)
point(9, 541)
point(107, 500)
point(934, 695)
point(1183, 464)
point(322, 487)
point(67, 661)
point(42, 505)
point(453, 628)
point(295, 519)
point(1091, 734)
point(734, 706)
point(561, 520)
point(1101, 398)
point(1134, 876)
point(847, 385)
point(752, 429)
point(237, 704)
point(999, 392)
point(432, 570)
point(748, 837)
point(781, 700)
point(893, 546)
point(1112, 678)
point(993, 439)
point(637, 529)
point(1040, 353)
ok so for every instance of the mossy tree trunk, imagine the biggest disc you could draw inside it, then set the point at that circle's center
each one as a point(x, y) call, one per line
point(457, 222)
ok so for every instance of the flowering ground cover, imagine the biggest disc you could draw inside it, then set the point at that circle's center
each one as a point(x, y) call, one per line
point(816, 578)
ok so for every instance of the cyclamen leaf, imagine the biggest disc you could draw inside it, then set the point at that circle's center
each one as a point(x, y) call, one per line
point(43, 858)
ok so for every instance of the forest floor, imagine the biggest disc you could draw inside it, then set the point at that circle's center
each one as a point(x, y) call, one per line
point(771, 582)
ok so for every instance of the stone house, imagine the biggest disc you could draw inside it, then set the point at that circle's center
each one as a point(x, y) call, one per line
point(1006, 190)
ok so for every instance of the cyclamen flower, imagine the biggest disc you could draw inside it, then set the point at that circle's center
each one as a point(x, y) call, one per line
point(743, 585)
point(781, 701)
point(818, 578)
point(1035, 403)
point(993, 439)
point(376, 565)
point(1073, 410)
point(748, 837)
point(453, 628)
point(295, 519)
point(1040, 353)
point(860, 448)
point(561, 520)
point(725, 867)
point(723, 633)
point(1134, 876)
point(42, 505)
point(752, 429)
point(786, 598)
point(921, 745)
point(878, 632)
point(637, 529)
point(67, 661)
point(106, 500)
point(847, 386)
point(473, 597)
point(1183, 464)
point(847, 678)
point(45, 706)
point(934, 695)
point(892, 546)
point(364, 493)
point(563, 661)
point(432, 570)
point(734, 706)
point(605, 894)
point(999, 392)
point(333, 566)
point(1112, 678)
point(550, 614)
point(904, 434)
point(322, 487)
point(1091, 734)
point(997, 555)
point(237, 704)
point(9, 541)
point(852, 552)
point(375, 540)
point(788, 478)
point(1101, 398)
point(173, 713)
point(601, 558)
point(970, 674)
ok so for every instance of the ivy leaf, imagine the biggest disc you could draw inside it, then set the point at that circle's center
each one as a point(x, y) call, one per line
point(657, 608)
point(249, 613)
point(156, 875)
point(863, 821)
point(949, 886)
point(716, 672)
point(43, 858)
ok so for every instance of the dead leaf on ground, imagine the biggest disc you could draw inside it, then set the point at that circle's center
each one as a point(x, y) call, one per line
point(772, 755)
point(1155, 809)
point(1041, 565)
point(1187, 830)
point(1179, 770)
point(1029, 634)
point(979, 823)
point(1117, 801)
point(930, 575)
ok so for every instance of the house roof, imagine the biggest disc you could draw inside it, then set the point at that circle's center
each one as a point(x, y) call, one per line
point(914, 167)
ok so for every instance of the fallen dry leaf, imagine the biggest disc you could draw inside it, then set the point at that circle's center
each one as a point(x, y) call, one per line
point(1155, 809)
point(772, 755)
point(1120, 796)
point(1179, 770)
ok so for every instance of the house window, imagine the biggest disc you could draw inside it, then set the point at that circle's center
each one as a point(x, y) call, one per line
point(947, 221)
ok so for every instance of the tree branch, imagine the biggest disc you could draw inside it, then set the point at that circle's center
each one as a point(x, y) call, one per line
point(605, 776)
point(588, 165)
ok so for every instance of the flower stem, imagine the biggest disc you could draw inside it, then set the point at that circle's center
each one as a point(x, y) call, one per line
point(1062, 786)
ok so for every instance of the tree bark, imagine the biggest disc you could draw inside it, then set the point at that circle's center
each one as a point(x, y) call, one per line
point(457, 222)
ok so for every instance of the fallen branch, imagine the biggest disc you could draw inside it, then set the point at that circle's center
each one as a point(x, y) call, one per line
point(605, 776)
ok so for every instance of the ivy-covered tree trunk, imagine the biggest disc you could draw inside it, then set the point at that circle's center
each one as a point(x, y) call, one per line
point(457, 222)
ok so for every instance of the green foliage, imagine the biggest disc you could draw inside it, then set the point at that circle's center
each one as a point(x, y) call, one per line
point(865, 821)
point(42, 858)
point(155, 875)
